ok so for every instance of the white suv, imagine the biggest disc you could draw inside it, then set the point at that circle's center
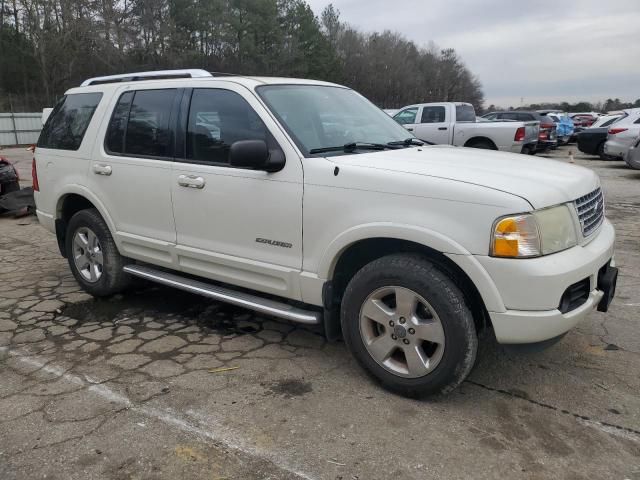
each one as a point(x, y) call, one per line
point(622, 135)
point(302, 200)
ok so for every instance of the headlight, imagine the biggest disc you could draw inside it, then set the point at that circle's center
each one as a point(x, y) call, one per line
point(533, 234)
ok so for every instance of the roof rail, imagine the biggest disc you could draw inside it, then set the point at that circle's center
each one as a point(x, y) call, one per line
point(153, 75)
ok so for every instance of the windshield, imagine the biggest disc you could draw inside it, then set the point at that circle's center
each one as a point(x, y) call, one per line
point(321, 117)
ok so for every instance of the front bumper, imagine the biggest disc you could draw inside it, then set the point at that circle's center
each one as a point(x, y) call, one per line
point(532, 289)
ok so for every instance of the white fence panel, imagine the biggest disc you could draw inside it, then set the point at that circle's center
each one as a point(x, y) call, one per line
point(20, 128)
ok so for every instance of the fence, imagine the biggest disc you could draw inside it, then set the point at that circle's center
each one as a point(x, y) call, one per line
point(20, 128)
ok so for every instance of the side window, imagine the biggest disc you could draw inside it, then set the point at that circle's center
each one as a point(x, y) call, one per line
point(509, 116)
point(465, 113)
point(217, 119)
point(491, 116)
point(114, 142)
point(68, 122)
point(433, 115)
point(524, 117)
point(406, 116)
point(147, 131)
point(637, 121)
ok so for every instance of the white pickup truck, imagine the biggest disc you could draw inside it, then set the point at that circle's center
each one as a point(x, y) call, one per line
point(454, 123)
point(302, 200)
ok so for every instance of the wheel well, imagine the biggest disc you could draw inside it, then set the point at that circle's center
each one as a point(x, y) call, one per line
point(68, 207)
point(363, 252)
point(476, 140)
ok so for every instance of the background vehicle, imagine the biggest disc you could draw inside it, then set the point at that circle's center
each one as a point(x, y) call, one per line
point(564, 125)
point(547, 136)
point(302, 200)
point(633, 155)
point(581, 121)
point(391, 111)
point(584, 119)
point(454, 123)
point(622, 134)
point(606, 120)
point(9, 179)
point(591, 140)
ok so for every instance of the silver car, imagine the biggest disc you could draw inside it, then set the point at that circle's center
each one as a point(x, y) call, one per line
point(622, 134)
point(633, 155)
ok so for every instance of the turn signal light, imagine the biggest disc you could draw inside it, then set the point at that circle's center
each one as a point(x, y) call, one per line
point(515, 237)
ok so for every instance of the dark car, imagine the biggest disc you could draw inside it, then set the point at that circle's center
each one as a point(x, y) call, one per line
point(547, 138)
point(591, 140)
point(9, 179)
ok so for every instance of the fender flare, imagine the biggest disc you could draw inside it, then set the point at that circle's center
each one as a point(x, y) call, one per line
point(88, 194)
point(422, 236)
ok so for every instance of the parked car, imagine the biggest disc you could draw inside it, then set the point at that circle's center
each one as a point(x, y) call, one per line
point(606, 120)
point(584, 119)
point(406, 250)
point(591, 140)
point(9, 178)
point(454, 123)
point(564, 125)
point(581, 121)
point(391, 111)
point(547, 134)
point(633, 156)
point(622, 134)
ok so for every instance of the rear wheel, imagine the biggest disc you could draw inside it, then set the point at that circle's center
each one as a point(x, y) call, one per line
point(484, 144)
point(600, 152)
point(93, 256)
point(408, 325)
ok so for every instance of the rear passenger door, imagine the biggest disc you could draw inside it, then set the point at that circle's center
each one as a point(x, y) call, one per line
point(236, 225)
point(433, 125)
point(130, 172)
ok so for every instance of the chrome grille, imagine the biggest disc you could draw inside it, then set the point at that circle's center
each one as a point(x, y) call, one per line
point(590, 211)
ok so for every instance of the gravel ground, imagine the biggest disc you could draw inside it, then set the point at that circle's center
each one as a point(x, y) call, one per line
point(135, 386)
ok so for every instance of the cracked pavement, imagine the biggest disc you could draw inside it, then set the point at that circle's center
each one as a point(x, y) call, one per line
point(157, 383)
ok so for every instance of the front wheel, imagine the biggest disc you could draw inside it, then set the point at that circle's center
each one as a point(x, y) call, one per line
point(408, 325)
point(93, 256)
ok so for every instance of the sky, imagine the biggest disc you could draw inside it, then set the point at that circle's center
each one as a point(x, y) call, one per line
point(523, 51)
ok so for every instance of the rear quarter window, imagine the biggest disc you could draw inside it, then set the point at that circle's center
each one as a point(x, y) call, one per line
point(68, 122)
point(465, 113)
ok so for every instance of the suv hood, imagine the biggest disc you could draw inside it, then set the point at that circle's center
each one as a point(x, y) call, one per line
point(540, 181)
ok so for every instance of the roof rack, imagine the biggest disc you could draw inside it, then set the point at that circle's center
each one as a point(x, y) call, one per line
point(153, 75)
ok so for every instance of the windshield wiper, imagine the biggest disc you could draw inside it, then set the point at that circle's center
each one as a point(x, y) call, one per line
point(350, 147)
point(409, 141)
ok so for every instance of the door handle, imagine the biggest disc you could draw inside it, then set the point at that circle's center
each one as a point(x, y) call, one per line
point(102, 169)
point(191, 181)
point(442, 128)
point(410, 129)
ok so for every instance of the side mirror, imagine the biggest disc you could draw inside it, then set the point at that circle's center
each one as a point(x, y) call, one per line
point(254, 154)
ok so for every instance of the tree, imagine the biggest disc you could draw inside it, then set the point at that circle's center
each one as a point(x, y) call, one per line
point(48, 46)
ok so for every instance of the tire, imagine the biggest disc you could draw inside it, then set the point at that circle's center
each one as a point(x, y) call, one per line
point(88, 242)
point(378, 290)
point(600, 152)
point(483, 145)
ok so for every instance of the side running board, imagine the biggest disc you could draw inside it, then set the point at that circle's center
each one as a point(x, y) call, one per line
point(241, 299)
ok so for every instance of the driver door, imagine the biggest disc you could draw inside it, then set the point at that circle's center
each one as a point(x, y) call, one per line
point(235, 225)
point(407, 118)
point(434, 126)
